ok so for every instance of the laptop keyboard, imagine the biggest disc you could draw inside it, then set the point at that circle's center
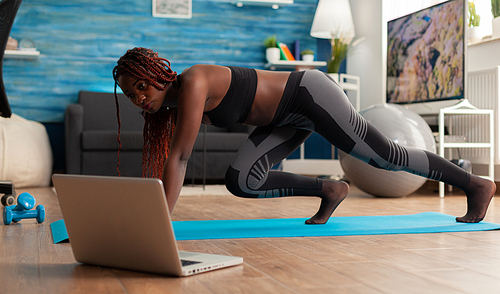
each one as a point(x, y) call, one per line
point(186, 262)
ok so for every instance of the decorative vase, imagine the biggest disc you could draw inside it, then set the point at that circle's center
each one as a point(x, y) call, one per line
point(496, 28)
point(334, 76)
point(474, 34)
point(308, 57)
point(333, 66)
point(272, 54)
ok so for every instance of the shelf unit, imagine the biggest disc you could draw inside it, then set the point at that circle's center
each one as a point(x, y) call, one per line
point(465, 108)
point(294, 65)
point(22, 54)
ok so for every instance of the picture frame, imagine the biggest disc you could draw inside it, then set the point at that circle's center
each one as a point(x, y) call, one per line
point(172, 8)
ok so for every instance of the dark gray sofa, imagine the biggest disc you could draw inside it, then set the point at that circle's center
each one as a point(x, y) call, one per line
point(91, 144)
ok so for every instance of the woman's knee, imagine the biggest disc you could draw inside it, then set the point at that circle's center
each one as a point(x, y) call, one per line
point(234, 185)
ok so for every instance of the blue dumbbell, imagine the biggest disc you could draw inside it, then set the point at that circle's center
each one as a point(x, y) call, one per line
point(25, 202)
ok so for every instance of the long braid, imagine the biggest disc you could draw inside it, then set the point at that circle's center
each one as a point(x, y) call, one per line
point(158, 131)
point(159, 127)
point(119, 131)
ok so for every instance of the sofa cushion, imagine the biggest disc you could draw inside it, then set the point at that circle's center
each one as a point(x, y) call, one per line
point(215, 168)
point(107, 140)
point(100, 112)
point(133, 140)
point(103, 163)
point(25, 152)
point(220, 142)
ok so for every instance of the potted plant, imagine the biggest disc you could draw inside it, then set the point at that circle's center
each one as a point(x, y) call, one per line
point(307, 55)
point(338, 54)
point(340, 47)
point(474, 20)
point(495, 9)
point(272, 50)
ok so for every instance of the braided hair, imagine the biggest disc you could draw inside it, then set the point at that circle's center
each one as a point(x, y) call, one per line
point(144, 64)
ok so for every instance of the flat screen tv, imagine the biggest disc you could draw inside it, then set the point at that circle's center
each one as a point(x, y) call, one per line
point(426, 54)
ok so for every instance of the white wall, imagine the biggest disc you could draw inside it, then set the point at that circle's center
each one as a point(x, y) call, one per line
point(484, 55)
point(366, 60)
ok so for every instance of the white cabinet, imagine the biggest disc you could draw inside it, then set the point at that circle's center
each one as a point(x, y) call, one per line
point(465, 108)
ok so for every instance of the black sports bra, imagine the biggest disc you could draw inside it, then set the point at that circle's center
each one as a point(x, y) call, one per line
point(238, 100)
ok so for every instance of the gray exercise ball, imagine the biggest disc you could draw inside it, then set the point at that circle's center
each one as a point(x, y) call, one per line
point(402, 126)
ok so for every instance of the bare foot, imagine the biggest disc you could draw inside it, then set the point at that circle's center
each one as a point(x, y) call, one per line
point(333, 193)
point(479, 193)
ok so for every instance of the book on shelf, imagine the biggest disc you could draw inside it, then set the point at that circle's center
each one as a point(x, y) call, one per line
point(282, 52)
point(286, 54)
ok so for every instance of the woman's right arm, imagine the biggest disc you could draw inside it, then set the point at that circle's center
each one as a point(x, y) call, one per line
point(190, 105)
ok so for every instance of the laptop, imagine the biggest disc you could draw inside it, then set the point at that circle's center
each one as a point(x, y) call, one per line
point(125, 223)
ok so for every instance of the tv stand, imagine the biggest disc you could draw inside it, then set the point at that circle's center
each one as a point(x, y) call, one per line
point(465, 108)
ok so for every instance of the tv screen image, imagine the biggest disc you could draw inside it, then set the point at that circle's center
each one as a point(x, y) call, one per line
point(425, 54)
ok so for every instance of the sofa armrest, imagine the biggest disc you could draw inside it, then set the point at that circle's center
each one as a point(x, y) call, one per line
point(73, 128)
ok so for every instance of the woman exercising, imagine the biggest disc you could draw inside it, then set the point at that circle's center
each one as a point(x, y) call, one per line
point(285, 107)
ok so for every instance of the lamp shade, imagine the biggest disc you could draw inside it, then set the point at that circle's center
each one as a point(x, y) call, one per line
point(333, 19)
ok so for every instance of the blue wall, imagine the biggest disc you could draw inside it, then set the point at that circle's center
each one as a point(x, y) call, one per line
point(81, 40)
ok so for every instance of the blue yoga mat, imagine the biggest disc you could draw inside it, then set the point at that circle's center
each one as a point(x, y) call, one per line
point(427, 222)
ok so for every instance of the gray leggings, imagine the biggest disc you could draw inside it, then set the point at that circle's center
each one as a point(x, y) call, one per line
point(313, 102)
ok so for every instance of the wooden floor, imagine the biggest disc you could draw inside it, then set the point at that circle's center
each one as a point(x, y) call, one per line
point(421, 263)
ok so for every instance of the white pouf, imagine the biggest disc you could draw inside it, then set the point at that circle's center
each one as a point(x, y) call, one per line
point(25, 152)
point(402, 126)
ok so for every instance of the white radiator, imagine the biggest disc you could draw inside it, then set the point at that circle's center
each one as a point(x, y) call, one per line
point(482, 92)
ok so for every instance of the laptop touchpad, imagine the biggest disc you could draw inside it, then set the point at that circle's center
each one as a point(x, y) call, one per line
point(183, 254)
